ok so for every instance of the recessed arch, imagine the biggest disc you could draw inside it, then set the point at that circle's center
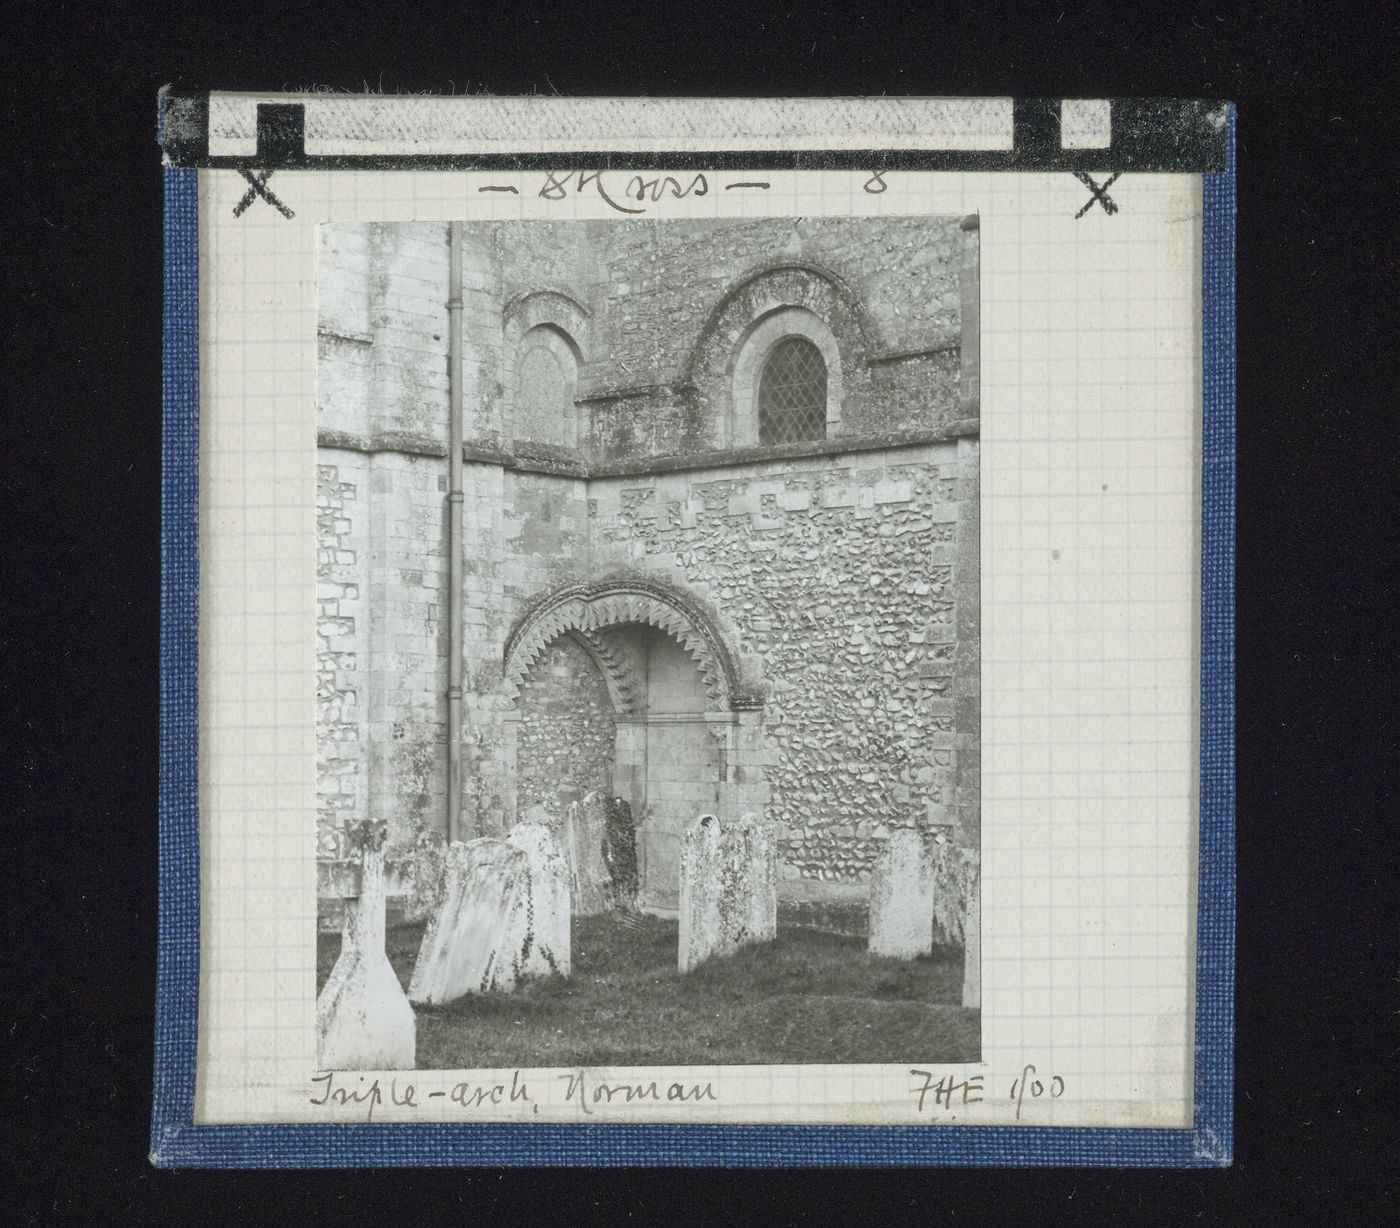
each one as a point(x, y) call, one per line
point(545, 349)
point(545, 384)
point(548, 306)
point(755, 314)
point(793, 283)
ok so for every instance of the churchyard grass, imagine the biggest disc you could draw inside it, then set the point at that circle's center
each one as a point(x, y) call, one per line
point(811, 996)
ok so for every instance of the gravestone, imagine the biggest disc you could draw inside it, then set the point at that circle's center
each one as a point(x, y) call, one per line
point(728, 887)
point(620, 853)
point(585, 830)
point(549, 950)
point(659, 855)
point(363, 1018)
point(478, 939)
point(901, 895)
point(972, 939)
point(953, 869)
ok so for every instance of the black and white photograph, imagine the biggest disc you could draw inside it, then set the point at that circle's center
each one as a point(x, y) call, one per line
point(648, 709)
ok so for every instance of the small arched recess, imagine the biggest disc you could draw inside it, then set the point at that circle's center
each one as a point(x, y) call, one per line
point(546, 380)
point(545, 339)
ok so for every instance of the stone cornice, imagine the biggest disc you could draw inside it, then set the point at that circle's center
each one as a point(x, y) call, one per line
point(555, 461)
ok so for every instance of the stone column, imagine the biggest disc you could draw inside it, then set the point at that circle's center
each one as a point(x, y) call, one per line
point(970, 296)
point(363, 1018)
point(584, 833)
point(659, 850)
point(630, 760)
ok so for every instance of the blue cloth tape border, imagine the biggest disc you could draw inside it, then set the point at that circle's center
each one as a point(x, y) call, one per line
point(177, 1142)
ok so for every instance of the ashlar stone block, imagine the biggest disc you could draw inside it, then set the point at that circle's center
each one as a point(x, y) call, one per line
point(363, 1018)
point(478, 941)
point(728, 887)
point(902, 894)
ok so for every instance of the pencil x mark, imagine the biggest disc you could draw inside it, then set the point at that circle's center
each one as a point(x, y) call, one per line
point(257, 186)
point(1100, 194)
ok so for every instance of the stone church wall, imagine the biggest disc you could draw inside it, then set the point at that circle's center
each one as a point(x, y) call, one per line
point(838, 565)
point(840, 576)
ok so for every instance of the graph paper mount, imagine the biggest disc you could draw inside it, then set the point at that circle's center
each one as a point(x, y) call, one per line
point(1183, 141)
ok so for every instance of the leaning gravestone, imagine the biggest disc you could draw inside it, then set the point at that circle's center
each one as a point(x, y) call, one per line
point(585, 830)
point(363, 1019)
point(547, 950)
point(478, 939)
point(901, 895)
point(729, 888)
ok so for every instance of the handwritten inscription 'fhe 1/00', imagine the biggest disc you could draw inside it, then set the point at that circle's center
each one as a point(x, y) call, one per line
point(952, 1092)
point(587, 1092)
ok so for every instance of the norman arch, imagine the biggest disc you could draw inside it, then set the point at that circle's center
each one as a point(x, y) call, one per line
point(756, 314)
point(590, 613)
point(687, 727)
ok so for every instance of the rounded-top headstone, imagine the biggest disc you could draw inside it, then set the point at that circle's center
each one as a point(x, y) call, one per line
point(902, 895)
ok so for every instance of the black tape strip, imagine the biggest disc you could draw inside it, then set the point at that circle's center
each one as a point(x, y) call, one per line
point(1035, 134)
point(1148, 135)
point(281, 135)
point(185, 130)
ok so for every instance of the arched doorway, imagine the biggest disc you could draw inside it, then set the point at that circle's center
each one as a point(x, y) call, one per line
point(686, 730)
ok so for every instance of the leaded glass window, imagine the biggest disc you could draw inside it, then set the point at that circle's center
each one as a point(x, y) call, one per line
point(792, 393)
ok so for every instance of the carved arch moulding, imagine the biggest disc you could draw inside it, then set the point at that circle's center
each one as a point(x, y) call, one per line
point(757, 311)
point(588, 614)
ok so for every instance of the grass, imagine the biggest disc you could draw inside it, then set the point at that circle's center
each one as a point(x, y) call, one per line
point(810, 996)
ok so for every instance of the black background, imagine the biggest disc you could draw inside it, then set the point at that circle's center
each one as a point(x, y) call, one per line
point(1317, 560)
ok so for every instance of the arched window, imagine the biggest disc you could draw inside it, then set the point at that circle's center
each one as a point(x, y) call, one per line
point(792, 393)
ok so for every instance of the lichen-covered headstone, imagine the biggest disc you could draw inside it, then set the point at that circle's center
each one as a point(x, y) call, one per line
point(585, 829)
point(548, 950)
point(478, 939)
point(728, 887)
point(901, 895)
point(953, 869)
point(363, 1018)
point(972, 939)
point(620, 853)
